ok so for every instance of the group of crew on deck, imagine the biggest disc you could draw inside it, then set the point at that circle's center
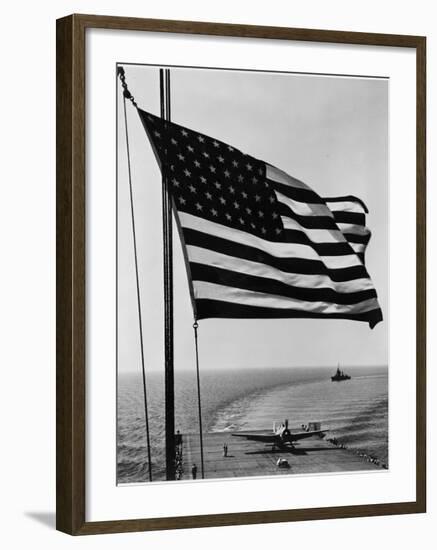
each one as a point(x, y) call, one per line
point(178, 456)
point(367, 457)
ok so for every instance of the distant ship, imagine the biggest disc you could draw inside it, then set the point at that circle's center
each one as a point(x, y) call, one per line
point(339, 376)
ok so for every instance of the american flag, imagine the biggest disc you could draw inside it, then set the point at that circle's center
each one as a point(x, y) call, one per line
point(258, 242)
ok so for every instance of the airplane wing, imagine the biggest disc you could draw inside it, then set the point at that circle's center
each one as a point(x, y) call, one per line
point(304, 435)
point(258, 437)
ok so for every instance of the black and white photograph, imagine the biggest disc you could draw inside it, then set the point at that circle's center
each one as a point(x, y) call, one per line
point(218, 269)
point(252, 274)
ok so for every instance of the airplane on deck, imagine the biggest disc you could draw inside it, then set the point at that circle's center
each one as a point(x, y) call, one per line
point(281, 436)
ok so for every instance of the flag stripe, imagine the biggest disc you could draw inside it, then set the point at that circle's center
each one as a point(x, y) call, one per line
point(290, 265)
point(308, 222)
point(306, 195)
point(347, 198)
point(213, 258)
point(213, 291)
point(348, 228)
point(296, 193)
point(361, 235)
point(345, 206)
point(305, 208)
point(341, 211)
point(267, 285)
point(349, 217)
point(276, 175)
point(278, 249)
point(315, 235)
point(323, 249)
point(358, 248)
point(336, 235)
point(358, 239)
point(224, 309)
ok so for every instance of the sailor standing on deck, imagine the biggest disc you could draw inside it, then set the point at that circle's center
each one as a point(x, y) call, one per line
point(194, 471)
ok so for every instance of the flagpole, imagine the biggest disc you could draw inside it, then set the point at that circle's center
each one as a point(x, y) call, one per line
point(170, 455)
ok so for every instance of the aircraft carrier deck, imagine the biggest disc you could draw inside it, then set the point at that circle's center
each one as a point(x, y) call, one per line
point(250, 458)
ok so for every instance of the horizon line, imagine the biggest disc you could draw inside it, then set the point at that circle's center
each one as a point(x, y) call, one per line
point(188, 369)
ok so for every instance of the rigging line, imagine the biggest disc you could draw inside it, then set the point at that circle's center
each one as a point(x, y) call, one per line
point(199, 404)
point(140, 321)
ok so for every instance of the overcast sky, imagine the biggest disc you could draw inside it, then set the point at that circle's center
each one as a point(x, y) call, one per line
point(330, 132)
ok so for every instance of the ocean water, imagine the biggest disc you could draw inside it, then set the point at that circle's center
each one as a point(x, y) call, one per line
point(355, 412)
